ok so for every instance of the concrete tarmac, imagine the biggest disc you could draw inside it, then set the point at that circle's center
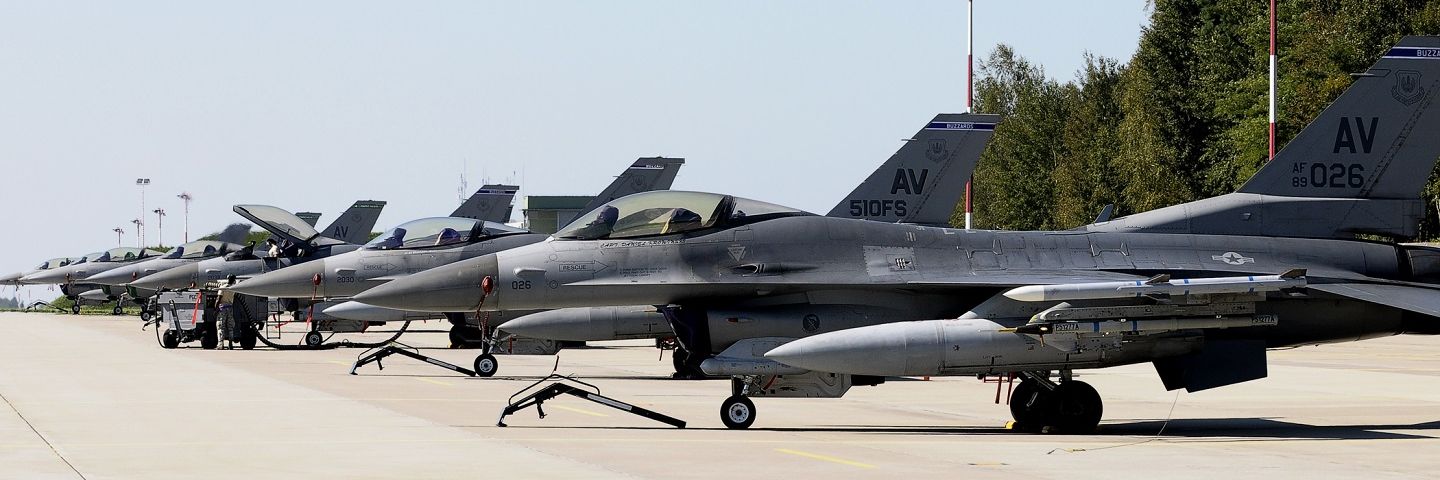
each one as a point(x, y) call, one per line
point(96, 397)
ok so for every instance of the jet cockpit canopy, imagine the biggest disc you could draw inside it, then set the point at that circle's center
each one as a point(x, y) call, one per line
point(123, 254)
point(438, 231)
point(667, 212)
point(55, 263)
point(201, 249)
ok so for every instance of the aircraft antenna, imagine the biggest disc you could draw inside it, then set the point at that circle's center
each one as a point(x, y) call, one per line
point(461, 193)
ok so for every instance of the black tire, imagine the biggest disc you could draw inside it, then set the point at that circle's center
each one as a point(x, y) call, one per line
point(1029, 405)
point(118, 310)
point(457, 339)
point(683, 370)
point(486, 365)
point(247, 338)
point(169, 339)
point(737, 412)
point(209, 338)
point(1075, 408)
point(75, 309)
point(314, 339)
point(145, 315)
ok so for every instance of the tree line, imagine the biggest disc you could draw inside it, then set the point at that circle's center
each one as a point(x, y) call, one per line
point(1185, 118)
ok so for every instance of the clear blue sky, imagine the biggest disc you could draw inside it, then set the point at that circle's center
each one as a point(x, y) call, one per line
point(312, 105)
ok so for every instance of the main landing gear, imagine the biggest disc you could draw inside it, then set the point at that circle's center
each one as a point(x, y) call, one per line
point(1067, 407)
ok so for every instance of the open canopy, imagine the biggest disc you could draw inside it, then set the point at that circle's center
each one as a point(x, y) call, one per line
point(669, 212)
point(284, 225)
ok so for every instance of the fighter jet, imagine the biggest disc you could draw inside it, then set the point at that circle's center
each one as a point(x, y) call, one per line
point(920, 184)
point(113, 283)
point(426, 243)
point(301, 240)
point(71, 277)
point(1201, 290)
point(14, 278)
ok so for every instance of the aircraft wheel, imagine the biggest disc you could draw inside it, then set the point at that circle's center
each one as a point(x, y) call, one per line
point(1028, 404)
point(145, 315)
point(1076, 408)
point(209, 339)
point(118, 310)
point(247, 338)
point(737, 412)
point(683, 370)
point(75, 309)
point(169, 340)
point(314, 339)
point(486, 365)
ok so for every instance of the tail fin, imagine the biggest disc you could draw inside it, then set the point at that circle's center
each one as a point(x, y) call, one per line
point(1378, 140)
point(491, 203)
point(355, 224)
point(646, 174)
point(924, 180)
point(1359, 168)
point(309, 217)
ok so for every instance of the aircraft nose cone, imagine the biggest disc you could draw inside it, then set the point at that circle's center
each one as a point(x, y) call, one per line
point(11, 279)
point(47, 277)
point(117, 276)
point(908, 348)
point(449, 288)
point(295, 281)
point(177, 277)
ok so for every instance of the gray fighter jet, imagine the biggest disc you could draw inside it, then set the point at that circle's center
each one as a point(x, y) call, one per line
point(920, 184)
point(72, 277)
point(14, 278)
point(427, 243)
point(113, 283)
point(1201, 290)
point(300, 239)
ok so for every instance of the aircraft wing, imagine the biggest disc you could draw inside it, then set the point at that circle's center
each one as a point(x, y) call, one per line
point(1419, 300)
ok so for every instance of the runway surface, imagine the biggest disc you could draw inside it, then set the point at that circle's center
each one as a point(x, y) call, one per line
point(96, 397)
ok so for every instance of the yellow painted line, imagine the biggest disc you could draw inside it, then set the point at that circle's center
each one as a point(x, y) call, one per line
point(576, 410)
point(337, 362)
point(437, 382)
point(825, 458)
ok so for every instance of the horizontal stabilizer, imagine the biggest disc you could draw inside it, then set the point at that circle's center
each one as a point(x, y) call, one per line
point(1414, 299)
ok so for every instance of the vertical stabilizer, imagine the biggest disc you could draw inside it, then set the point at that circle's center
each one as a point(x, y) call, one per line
point(309, 217)
point(1359, 168)
point(924, 180)
point(491, 203)
point(355, 224)
point(646, 174)
point(1378, 140)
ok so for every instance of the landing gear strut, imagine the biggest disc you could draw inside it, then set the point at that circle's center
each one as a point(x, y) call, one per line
point(1067, 407)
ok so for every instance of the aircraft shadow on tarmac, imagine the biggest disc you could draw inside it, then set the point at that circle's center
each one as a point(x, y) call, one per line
point(1262, 429)
point(1219, 429)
